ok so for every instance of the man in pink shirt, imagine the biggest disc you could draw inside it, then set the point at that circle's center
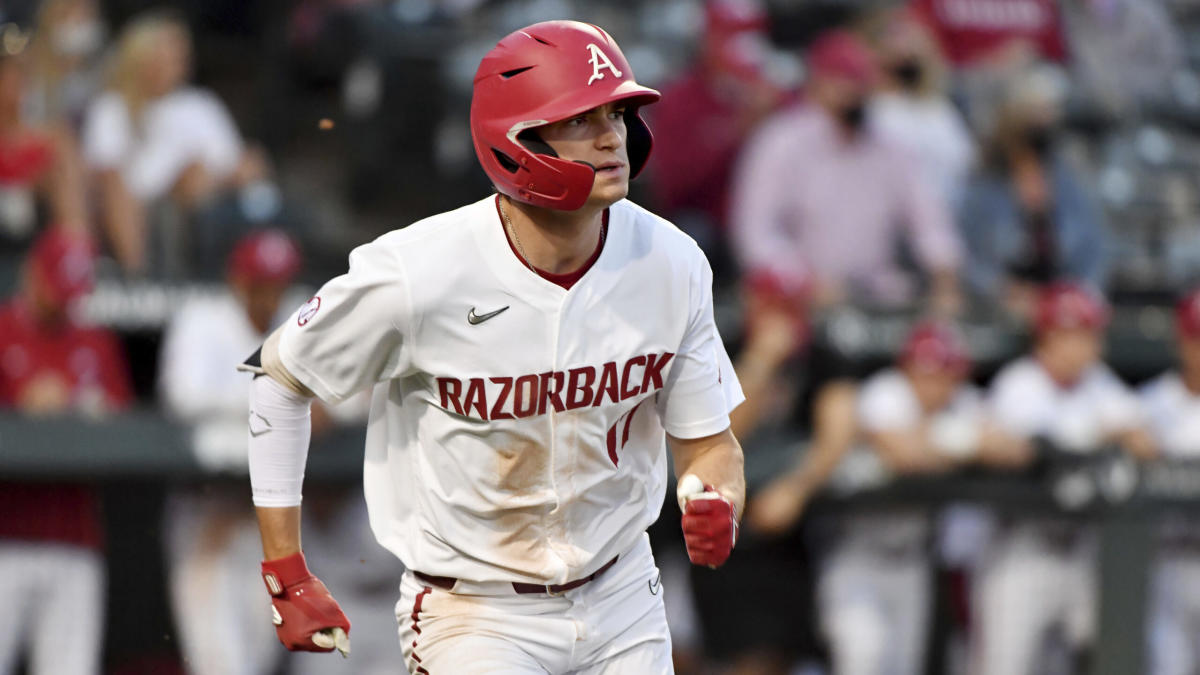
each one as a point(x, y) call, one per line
point(820, 201)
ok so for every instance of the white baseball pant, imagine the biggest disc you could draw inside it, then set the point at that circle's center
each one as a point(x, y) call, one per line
point(1029, 587)
point(1173, 635)
point(221, 609)
point(614, 624)
point(54, 607)
point(875, 611)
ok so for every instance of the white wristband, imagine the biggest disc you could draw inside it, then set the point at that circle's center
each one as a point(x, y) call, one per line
point(280, 428)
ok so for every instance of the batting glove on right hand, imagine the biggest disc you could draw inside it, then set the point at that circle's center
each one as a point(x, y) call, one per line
point(306, 616)
point(710, 525)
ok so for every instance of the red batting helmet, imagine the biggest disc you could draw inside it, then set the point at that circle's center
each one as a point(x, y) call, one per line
point(934, 346)
point(545, 73)
point(1068, 305)
point(269, 256)
point(1187, 315)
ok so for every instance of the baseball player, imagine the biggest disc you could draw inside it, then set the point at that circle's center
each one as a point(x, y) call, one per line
point(529, 356)
point(920, 417)
point(1172, 405)
point(1040, 577)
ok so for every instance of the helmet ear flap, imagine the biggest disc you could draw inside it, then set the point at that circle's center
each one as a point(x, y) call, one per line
point(638, 141)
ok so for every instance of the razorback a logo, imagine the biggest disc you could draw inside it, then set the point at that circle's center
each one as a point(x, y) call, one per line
point(600, 61)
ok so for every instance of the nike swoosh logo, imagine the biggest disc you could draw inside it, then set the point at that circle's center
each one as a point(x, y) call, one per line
point(260, 432)
point(475, 319)
point(656, 585)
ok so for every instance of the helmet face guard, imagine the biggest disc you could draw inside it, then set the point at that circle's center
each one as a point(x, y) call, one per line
point(539, 75)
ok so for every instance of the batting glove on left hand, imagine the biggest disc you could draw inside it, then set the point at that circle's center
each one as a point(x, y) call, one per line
point(710, 525)
point(307, 618)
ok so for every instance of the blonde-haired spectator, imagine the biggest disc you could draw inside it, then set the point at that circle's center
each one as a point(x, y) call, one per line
point(151, 137)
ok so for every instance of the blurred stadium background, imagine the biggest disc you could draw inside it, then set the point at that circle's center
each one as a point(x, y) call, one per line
point(176, 178)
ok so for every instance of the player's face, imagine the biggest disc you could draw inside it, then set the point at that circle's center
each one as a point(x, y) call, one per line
point(598, 138)
point(261, 301)
point(1068, 352)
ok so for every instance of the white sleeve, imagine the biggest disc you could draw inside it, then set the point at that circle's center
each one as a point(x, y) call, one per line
point(883, 405)
point(1119, 408)
point(195, 379)
point(1011, 406)
point(701, 388)
point(106, 134)
point(280, 428)
point(353, 332)
point(220, 144)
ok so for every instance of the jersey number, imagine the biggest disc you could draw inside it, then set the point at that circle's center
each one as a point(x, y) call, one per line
point(612, 432)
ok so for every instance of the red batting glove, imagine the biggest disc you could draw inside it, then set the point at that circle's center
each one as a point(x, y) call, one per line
point(709, 527)
point(307, 618)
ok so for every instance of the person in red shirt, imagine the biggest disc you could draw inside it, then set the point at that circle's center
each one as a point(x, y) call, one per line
point(37, 163)
point(704, 118)
point(974, 32)
point(51, 559)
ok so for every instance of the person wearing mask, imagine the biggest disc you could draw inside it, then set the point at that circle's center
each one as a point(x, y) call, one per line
point(64, 74)
point(39, 163)
point(1027, 219)
point(820, 198)
point(52, 568)
point(912, 108)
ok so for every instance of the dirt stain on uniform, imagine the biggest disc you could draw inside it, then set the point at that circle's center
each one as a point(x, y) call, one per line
point(521, 467)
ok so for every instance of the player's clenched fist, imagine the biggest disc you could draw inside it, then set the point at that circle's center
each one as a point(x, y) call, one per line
point(307, 618)
point(709, 522)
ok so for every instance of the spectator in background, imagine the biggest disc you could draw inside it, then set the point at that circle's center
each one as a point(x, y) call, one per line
point(150, 137)
point(705, 117)
point(920, 417)
point(820, 199)
point(37, 162)
point(988, 41)
point(912, 108)
point(52, 574)
point(1172, 405)
point(977, 33)
point(210, 532)
point(1027, 219)
point(1123, 55)
point(1039, 581)
point(64, 73)
point(212, 537)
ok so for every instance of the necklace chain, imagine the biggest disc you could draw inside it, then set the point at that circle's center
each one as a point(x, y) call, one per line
point(512, 231)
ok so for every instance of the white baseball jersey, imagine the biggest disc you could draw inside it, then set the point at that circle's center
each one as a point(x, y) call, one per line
point(1027, 402)
point(517, 428)
point(888, 403)
point(1173, 415)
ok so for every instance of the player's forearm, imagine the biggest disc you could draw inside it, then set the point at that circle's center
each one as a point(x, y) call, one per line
point(716, 460)
point(280, 530)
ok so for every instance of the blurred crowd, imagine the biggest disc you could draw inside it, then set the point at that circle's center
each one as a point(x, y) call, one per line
point(1027, 165)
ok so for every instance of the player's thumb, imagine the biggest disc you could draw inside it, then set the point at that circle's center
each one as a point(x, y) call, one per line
point(332, 638)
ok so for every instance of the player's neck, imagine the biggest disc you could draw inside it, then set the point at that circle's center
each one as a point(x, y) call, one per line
point(558, 242)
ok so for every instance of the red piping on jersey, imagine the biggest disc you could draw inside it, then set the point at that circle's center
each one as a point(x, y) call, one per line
point(416, 628)
point(565, 280)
